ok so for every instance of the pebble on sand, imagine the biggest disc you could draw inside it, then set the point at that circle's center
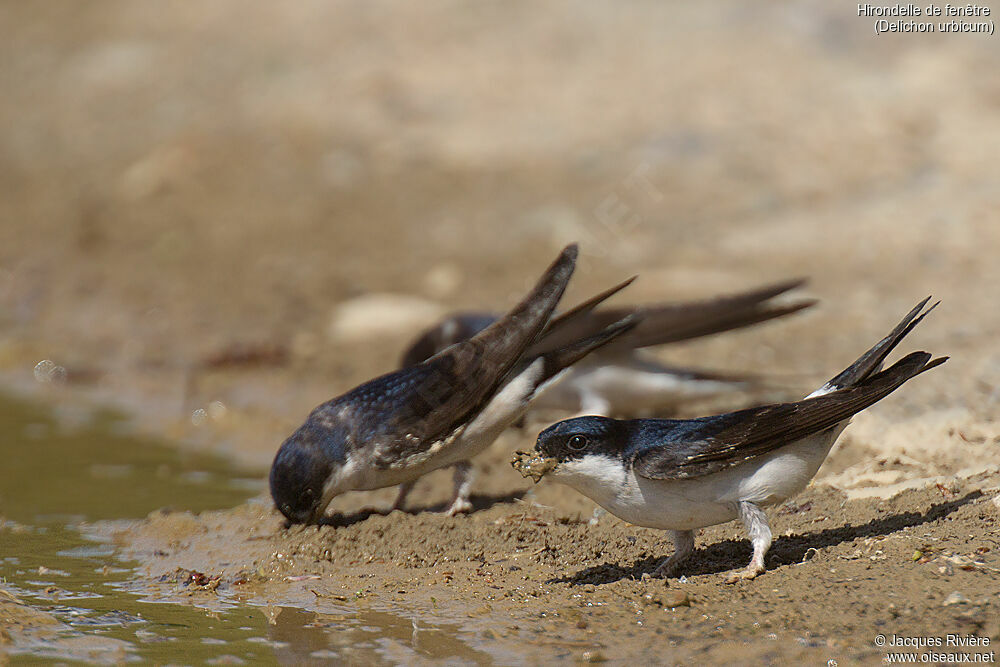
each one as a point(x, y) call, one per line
point(954, 598)
point(376, 315)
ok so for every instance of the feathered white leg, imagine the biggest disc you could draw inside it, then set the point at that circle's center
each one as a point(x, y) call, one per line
point(755, 521)
point(463, 487)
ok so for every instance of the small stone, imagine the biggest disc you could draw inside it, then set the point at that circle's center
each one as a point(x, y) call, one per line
point(156, 171)
point(380, 315)
point(917, 555)
point(674, 599)
point(954, 598)
point(217, 410)
point(443, 280)
point(48, 371)
point(593, 657)
point(199, 417)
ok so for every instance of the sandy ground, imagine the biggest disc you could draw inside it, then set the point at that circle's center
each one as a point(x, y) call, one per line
point(193, 194)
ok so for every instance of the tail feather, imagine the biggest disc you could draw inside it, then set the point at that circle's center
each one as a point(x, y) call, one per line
point(499, 347)
point(564, 357)
point(668, 323)
point(672, 322)
point(664, 327)
point(871, 361)
point(584, 308)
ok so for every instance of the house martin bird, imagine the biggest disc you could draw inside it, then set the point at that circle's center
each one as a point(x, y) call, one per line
point(682, 475)
point(620, 380)
point(440, 412)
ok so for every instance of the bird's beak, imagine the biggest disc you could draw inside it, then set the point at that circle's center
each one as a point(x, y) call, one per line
point(533, 465)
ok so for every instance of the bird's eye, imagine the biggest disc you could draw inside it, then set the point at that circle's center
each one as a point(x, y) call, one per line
point(577, 442)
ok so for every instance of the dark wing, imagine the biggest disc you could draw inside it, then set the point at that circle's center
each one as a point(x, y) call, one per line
point(669, 323)
point(698, 447)
point(451, 386)
point(404, 413)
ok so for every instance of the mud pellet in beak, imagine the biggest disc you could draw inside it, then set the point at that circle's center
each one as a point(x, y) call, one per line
point(532, 464)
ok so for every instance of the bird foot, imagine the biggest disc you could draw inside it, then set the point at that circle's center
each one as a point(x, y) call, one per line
point(459, 506)
point(746, 574)
point(667, 568)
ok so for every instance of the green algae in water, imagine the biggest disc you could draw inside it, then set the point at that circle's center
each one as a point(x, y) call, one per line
point(56, 475)
point(57, 571)
point(91, 468)
point(89, 605)
point(65, 467)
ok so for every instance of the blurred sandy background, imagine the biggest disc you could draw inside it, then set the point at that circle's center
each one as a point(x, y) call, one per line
point(185, 183)
point(216, 215)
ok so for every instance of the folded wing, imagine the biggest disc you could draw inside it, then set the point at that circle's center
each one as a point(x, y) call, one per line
point(693, 448)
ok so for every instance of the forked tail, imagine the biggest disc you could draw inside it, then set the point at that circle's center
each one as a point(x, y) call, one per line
point(870, 362)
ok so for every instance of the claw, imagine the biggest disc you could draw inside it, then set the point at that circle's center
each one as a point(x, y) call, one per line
point(683, 547)
point(667, 568)
point(460, 506)
point(746, 574)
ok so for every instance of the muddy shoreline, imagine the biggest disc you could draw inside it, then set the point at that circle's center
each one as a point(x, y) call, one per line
point(535, 583)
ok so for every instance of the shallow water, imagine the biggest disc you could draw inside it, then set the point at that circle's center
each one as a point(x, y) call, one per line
point(64, 469)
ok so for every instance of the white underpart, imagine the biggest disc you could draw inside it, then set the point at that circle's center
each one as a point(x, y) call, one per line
point(630, 385)
point(687, 504)
point(507, 405)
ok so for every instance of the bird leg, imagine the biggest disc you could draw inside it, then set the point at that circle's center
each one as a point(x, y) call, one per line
point(755, 522)
point(404, 490)
point(683, 547)
point(463, 486)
